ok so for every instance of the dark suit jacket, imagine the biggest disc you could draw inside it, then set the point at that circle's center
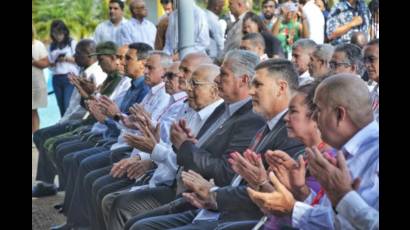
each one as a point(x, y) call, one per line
point(235, 134)
point(234, 202)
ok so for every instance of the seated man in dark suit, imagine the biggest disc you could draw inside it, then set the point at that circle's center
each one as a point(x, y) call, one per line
point(231, 130)
point(271, 90)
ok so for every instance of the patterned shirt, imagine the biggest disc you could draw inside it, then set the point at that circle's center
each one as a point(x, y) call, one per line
point(341, 14)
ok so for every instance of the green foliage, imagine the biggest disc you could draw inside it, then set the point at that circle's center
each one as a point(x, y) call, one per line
point(81, 16)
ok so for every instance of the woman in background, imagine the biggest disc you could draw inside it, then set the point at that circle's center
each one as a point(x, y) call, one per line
point(62, 49)
point(39, 61)
point(254, 24)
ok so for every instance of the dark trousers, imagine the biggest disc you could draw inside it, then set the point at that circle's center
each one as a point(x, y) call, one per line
point(174, 221)
point(64, 149)
point(77, 212)
point(70, 166)
point(45, 169)
point(63, 90)
point(98, 184)
point(176, 206)
point(129, 204)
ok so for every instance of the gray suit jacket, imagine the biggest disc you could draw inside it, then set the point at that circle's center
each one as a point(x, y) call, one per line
point(234, 202)
point(211, 160)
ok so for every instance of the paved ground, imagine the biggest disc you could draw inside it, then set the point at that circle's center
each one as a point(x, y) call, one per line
point(43, 214)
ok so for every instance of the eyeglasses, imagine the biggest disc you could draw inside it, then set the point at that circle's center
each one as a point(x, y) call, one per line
point(370, 59)
point(334, 65)
point(169, 75)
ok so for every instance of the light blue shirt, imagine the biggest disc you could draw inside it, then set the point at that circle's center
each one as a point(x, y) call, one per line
point(201, 32)
point(163, 154)
point(137, 31)
point(362, 157)
point(107, 31)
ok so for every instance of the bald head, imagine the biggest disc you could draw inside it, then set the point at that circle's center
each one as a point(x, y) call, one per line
point(138, 9)
point(348, 91)
point(191, 61)
point(359, 38)
point(83, 49)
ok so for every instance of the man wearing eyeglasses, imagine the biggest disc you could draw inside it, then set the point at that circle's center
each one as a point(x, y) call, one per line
point(346, 58)
point(120, 206)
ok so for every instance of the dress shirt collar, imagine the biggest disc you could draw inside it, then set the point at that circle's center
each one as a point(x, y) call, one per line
point(135, 83)
point(376, 88)
point(233, 107)
point(205, 112)
point(304, 76)
point(352, 146)
point(136, 21)
point(113, 75)
point(178, 96)
point(123, 20)
point(90, 69)
point(157, 87)
point(242, 16)
point(272, 122)
point(264, 57)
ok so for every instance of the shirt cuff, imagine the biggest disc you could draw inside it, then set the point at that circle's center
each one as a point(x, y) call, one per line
point(159, 152)
point(299, 210)
point(142, 155)
point(310, 198)
point(351, 204)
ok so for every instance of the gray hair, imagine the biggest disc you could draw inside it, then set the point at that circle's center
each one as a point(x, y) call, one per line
point(255, 38)
point(307, 45)
point(283, 69)
point(243, 62)
point(350, 92)
point(165, 59)
point(324, 52)
point(353, 54)
point(212, 71)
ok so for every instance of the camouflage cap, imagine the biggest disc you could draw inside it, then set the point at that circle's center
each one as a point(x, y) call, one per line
point(105, 48)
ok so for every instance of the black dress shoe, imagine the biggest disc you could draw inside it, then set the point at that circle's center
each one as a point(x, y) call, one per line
point(64, 226)
point(58, 206)
point(41, 190)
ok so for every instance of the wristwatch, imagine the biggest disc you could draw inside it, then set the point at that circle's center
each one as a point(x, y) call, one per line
point(117, 117)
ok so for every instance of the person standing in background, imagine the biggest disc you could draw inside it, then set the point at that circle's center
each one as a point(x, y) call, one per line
point(61, 52)
point(39, 61)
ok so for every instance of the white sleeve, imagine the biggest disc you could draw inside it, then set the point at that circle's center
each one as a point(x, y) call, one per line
point(317, 217)
point(164, 154)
